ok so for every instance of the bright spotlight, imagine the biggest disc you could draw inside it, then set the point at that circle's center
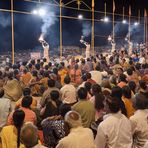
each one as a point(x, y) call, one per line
point(80, 16)
point(124, 21)
point(136, 23)
point(41, 12)
point(106, 19)
point(35, 12)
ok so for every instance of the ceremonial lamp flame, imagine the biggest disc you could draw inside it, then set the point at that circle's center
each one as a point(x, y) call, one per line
point(109, 38)
point(41, 38)
point(82, 39)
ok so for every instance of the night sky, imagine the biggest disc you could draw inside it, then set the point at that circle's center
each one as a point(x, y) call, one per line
point(27, 27)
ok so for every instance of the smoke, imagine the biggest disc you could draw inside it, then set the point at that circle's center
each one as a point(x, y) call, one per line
point(121, 29)
point(4, 20)
point(136, 33)
point(86, 29)
point(48, 20)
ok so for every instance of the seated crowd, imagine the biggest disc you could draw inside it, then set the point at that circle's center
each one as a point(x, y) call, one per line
point(98, 102)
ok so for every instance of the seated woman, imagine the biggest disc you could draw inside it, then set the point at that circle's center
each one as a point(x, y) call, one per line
point(30, 116)
point(10, 135)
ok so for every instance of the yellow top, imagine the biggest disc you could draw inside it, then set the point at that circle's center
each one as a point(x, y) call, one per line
point(128, 106)
point(9, 137)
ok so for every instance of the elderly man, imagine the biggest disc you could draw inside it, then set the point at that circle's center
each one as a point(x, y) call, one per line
point(77, 134)
point(29, 136)
point(139, 121)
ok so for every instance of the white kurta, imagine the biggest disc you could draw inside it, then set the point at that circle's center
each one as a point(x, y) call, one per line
point(114, 132)
point(139, 123)
point(87, 51)
point(46, 52)
point(68, 93)
point(78, 138)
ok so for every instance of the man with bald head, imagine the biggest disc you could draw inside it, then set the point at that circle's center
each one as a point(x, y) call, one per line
point(77, 134)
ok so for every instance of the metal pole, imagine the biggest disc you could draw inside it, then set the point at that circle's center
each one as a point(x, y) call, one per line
point(61, 29)
point(93, 29)
point(12, 30)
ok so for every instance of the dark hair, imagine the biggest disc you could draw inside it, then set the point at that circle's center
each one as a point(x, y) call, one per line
point(87, 85)
point(44, 59)
point(88, 75)
point(26, 91)
point(35, 73)
point(67, 79)
point(62, 64)
point(98, 68)
point(64, 108)
point(99, 101)
point(116, 92)
point(46, 67)
point(140, 101)
point(37, 66)
point(82, 93)
point(129, 71)
point(122, 78)
point(54, 95)
point(132, 85)
point(32, 62)
point(113, 104)
point(18, 120)
point(96, 89)
point(1, 92)
point(26, 101)
point(55, 71)
point(142, 84)
point(84, 78)
point(126, 92)
point(49, 64)
point(51, 83)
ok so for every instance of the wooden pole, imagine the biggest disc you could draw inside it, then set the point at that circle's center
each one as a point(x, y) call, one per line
point(93, 29)
point(61, 46)
point(113, 21)
point(12, 31)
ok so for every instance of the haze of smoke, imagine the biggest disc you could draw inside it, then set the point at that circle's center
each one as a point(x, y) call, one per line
point(86, 29)
point(48, 20)
point(4, 20)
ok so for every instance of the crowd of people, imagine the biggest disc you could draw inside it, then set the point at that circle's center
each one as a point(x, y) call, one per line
point(98, 102)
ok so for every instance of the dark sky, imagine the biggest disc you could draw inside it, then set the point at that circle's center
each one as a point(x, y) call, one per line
point(27, 27)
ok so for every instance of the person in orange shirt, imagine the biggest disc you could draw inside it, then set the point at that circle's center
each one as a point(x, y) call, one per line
point(44, 80)
point(126, 98)
point(30, 116)
point(75, 75)
point(26, 77)
point(62, 72)
point(122, 80)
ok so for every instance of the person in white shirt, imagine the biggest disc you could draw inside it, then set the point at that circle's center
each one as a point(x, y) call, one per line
point(139, 121)
point(79, 137)
point(29, 136)
point(96, 75)
point(115, 129)
point(68, 92)
point(5, 109)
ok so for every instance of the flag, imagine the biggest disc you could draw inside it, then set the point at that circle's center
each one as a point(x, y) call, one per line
point(145, 13)
point(114, 7)
point(129, 10)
